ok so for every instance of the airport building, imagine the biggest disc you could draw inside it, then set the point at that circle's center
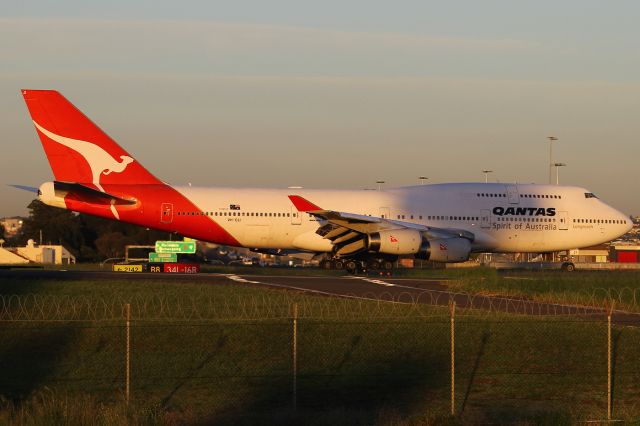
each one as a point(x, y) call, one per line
point(596, 254)
point(625, 253)
point(34, 253)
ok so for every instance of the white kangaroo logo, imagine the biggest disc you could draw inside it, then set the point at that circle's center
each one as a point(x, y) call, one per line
point(99, 160)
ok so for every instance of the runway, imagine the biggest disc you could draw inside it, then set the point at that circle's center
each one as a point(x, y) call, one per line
point(393, 290)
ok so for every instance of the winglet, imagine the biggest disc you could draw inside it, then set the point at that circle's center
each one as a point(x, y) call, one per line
point(302, 204)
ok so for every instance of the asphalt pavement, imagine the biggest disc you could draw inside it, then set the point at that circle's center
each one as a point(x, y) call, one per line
point(399, 290)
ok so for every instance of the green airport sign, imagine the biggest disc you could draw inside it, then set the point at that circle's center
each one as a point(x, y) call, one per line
point(175, 246)
point(163, 257)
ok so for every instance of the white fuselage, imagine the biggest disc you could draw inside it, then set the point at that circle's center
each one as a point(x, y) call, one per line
point(502, 217)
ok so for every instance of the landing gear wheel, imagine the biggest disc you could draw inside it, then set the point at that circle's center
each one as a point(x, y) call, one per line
point(568, 266)
point(387, 265)
point(374, 266)
point(326, 264)
point(338, 264)
point(351, 267)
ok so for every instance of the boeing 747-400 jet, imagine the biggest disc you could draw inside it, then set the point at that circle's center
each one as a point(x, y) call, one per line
point(353, 228)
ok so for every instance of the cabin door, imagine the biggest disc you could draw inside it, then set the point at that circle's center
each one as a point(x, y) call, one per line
point(512, 194)
point(485, 218)
point(166, 213)
point(563, 221)
point(295, 216)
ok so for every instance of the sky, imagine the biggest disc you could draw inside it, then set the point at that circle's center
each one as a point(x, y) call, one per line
point(334, 94)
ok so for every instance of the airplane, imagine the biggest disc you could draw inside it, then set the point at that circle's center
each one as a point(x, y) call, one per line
point(351, 229)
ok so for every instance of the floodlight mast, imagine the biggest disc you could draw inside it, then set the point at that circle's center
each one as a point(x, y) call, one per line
point(551, 139)
point(557, 166)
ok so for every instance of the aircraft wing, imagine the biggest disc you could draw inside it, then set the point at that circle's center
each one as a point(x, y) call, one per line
point(346, 228)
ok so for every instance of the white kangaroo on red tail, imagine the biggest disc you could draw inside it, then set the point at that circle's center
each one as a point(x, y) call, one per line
point(99, 160)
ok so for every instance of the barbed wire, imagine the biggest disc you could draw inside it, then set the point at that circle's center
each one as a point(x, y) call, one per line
point(370, 306)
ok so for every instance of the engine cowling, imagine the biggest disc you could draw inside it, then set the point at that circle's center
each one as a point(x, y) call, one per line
point(411, 241)
point(397, 241)
point(47, 194)
point(448, 250)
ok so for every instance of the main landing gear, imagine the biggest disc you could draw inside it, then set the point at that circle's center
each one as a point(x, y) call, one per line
point(353, 266)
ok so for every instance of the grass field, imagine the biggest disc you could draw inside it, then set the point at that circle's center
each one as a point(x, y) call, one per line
point(357, 362)
point(597, 288)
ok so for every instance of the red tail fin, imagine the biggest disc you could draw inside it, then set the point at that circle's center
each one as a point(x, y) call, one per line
point(77, 150)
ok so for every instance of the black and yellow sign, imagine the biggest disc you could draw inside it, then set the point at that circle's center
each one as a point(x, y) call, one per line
point(127, 268)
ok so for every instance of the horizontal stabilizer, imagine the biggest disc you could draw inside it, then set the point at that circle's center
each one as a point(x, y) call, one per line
point(89, 195)
point(26, 188)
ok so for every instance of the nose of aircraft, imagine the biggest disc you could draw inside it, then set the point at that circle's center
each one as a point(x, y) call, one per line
point(627, 224)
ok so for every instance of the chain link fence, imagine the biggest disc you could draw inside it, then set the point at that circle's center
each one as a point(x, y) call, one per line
point(279, 357)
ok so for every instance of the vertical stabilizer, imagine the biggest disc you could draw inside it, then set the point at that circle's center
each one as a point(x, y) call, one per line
point(77, 149)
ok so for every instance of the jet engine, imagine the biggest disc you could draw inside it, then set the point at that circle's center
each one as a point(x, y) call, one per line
point(448, 250)
point(397, 241)
point(411, 241)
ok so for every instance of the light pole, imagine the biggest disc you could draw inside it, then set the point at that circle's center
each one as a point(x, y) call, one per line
point(551, 139)
point(422, 179)
point(486, 175)
point(558, 165)
point(379, 182)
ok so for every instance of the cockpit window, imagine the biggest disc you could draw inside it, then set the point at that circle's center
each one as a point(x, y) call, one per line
point(589, 195)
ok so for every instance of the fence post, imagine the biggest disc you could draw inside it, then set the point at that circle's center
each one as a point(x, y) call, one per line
point(128, 355)
point(609, 313)
point(294, 355)
point(452, 312)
